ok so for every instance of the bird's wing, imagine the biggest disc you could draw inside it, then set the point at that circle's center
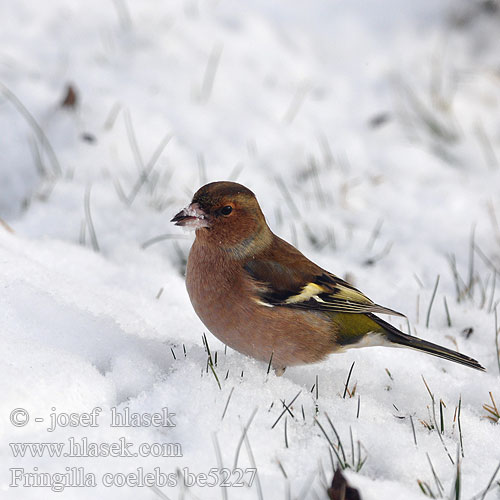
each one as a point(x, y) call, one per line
point(281, 284)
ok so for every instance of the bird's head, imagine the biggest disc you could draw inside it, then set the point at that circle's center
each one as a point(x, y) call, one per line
point(226, 214)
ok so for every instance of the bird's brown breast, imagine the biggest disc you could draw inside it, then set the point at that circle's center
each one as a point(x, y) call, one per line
point(225, 298)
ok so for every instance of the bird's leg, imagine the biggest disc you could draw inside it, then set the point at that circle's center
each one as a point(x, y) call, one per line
point(279, 370)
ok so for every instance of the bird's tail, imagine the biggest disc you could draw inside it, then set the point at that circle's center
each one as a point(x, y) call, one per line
point(394, 336)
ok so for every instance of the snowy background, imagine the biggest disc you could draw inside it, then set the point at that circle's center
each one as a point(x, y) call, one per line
point(370, 133)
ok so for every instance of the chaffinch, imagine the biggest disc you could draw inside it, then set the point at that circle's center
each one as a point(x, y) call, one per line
point(261, 296)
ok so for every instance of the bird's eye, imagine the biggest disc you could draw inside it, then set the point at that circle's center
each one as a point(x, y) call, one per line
point(226, 210)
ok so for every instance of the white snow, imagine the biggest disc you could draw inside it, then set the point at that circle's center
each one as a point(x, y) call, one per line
point(370, 133)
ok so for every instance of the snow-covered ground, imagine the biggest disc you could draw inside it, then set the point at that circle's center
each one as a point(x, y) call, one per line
point(370, 133)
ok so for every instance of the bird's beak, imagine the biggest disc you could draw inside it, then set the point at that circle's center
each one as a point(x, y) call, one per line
point(191, 217)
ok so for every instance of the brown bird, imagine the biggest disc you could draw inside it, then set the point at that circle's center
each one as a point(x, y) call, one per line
point(261, 296)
